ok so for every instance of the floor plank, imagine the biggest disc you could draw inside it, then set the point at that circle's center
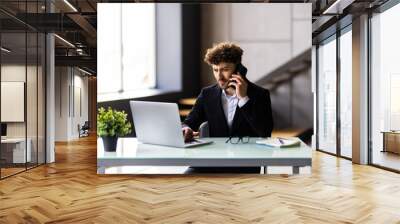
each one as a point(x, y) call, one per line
point(70, 191)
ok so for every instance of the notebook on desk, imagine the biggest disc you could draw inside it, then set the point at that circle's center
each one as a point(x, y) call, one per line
point(279, 142)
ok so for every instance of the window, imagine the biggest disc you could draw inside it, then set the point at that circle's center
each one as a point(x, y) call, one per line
point(126, 47)
point(22, 107)
point(327, 96)
point(385, 87)
point(346, 93)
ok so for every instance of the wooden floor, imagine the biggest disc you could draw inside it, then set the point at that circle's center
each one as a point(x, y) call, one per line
point(10, 171)
point(70, 191)
point(386, 159)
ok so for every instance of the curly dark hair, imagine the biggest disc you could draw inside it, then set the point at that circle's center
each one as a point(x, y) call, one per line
point(224, 52)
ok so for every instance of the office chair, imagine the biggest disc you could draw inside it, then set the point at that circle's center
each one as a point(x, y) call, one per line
point(204, 131)
point(84, 130)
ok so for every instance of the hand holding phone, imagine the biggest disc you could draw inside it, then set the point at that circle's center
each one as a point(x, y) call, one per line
point(240, 69)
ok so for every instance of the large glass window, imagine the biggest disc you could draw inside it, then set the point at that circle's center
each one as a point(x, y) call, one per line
point(385, 88)
point(126, 47)
point(22, 93)
point(346, 93)
point(15, 146)
point(327, 95)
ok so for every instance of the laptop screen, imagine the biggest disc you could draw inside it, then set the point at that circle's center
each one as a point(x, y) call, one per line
point(3, 129)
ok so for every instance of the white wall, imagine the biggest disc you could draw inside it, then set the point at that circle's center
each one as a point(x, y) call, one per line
point(61, 103)
point(15, 72)
point(70, 83)
point(79, 117)
point(13, 100)
point(270, 34)
point(34, 124)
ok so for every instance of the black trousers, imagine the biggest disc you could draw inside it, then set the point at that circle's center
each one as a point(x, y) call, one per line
point(210, 170)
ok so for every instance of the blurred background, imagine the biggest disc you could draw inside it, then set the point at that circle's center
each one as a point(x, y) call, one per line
point(155, 52)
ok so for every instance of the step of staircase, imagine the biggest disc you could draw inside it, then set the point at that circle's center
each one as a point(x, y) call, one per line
point(185, 106)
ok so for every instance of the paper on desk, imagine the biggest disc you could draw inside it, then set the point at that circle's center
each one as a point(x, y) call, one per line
point(274, 142)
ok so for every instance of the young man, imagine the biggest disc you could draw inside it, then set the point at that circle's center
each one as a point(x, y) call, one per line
point(233, 107)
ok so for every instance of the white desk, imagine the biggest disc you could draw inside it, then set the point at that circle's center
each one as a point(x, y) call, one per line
point(19, 155)
point(132, 153)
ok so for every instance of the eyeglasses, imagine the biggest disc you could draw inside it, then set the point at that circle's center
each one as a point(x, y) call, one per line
point(237, 140)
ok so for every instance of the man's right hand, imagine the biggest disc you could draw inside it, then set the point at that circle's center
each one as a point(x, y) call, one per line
point(188, 133)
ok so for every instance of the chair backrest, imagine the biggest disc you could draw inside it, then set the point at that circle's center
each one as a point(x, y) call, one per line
point(204, 131)
point(86, 125)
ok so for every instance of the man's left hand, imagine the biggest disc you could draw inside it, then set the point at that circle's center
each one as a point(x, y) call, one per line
point(241, 86)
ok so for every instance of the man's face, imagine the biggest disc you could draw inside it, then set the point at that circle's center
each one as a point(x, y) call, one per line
point(223, 72)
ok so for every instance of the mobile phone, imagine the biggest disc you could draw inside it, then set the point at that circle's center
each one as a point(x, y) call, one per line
point(242, 70)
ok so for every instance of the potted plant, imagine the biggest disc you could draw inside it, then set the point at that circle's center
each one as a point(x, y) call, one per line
point(112, 124)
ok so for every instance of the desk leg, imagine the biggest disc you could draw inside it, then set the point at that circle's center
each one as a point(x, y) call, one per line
point(384, 143)
point(265, 170)
point(101, 170)
point(296, 170)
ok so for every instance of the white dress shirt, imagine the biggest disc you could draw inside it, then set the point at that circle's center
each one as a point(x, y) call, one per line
point(229, 104)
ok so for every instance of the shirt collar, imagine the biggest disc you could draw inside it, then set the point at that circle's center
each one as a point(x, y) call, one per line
point(226, 95)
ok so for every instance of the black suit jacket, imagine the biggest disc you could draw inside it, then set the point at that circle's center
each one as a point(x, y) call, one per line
point(253, 119)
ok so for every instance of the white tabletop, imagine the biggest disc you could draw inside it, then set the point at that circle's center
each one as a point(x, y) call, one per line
point(131, 152)
point(13, 140)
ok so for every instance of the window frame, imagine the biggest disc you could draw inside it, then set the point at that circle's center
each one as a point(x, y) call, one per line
point(333, 37)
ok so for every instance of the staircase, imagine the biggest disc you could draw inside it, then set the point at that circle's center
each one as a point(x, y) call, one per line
point(287, 71)
point(291, 97)
point(185, 106)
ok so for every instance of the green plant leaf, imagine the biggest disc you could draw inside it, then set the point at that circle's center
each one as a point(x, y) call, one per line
point(112, 123)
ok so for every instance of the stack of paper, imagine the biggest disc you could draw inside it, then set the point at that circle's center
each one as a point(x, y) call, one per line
point(279, 142)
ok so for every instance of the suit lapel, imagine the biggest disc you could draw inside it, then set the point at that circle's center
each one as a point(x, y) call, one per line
point(237, 119)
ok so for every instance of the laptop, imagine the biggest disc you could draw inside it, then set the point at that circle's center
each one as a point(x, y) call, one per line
point(159, 123)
